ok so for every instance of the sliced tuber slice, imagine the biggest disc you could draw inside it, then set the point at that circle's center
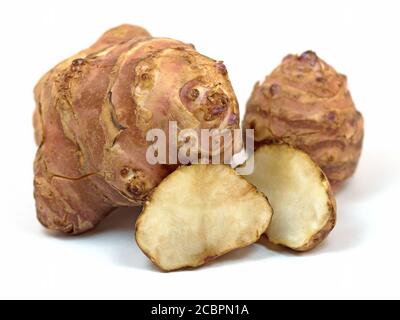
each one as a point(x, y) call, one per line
point(299, 193)
point(198, 213)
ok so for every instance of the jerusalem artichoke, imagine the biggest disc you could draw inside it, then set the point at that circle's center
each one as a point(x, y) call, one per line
point(306, 103)
point(92, 114)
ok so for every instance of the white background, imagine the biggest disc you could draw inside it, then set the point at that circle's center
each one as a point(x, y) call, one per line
point(360, 259)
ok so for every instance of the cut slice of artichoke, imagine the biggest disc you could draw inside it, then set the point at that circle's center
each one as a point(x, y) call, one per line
point(299, 193)
point(198, 213)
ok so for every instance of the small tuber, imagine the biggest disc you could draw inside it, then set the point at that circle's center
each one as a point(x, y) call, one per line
point(304, 102)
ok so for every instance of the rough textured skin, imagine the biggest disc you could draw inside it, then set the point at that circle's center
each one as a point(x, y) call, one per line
point(305, 102)
point(92, 114)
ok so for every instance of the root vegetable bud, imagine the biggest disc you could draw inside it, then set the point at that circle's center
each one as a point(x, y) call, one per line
point(198, 213)
point(93, 111)
point(299, 193)
point(304, 102)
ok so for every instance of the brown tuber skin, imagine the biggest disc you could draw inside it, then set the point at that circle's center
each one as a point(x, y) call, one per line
point(304, 102)
point(92, 114)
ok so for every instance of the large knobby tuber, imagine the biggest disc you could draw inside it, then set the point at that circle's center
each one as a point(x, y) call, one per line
point(92, 114)
point(304, 102)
